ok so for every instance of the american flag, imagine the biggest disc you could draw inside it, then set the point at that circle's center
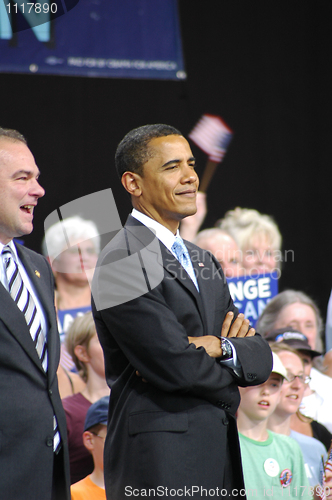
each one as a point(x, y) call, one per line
point(328, 463)
point(213, 136)
point(321, 489)
point(325, 472)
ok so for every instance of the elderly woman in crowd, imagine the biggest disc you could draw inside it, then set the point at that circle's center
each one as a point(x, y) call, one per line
point(258, 238)
point(256, 235)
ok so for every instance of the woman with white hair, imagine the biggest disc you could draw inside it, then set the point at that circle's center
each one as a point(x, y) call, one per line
point(72, 247)
point(258, 238)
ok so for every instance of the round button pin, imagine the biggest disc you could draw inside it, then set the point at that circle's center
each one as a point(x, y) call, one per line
point(271, 467)
point(286, 477)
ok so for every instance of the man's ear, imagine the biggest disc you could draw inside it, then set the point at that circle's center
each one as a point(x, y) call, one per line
point(131, 183)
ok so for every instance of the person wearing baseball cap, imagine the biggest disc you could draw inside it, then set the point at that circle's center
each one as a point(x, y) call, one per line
point(282, 418)
point(300, 422)
point(278, 367)
point(295, 309)
point(294, 338)
point(94, 435)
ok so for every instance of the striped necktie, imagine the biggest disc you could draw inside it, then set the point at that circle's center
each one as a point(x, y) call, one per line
point(24, 301)
point(180, 251)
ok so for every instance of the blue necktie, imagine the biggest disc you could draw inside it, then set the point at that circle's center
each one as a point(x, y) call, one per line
point(180, 251)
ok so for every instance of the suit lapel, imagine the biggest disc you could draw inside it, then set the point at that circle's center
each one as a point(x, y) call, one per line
point(204, 270)
point(169, 262)
point(14, 319)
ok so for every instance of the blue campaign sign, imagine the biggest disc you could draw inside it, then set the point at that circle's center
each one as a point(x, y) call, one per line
point(251, 294)
point(106, 38)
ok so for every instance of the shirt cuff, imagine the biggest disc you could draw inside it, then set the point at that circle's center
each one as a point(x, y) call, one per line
point(233, 362)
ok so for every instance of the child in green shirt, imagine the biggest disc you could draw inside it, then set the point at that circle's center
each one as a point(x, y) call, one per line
point(272, 463)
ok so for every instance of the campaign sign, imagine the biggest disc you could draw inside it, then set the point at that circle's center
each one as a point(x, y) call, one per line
point(251, 294)
point(118, 38)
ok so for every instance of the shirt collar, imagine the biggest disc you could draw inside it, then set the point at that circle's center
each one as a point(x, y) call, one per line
point(12, 247)
point(163, 234)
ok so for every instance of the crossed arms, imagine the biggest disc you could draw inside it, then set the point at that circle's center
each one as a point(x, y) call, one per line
point(240, 328)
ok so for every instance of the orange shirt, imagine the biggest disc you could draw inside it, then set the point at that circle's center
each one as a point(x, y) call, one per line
point(86, 490)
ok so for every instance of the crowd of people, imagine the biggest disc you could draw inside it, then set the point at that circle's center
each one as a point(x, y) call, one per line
point(247, 243)
point(175, 367)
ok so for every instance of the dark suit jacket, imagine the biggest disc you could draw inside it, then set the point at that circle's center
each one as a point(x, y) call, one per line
point(178, 429)
point(29, 397)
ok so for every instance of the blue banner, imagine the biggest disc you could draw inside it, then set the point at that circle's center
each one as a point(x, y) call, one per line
point(251, 294)
point(98, 38)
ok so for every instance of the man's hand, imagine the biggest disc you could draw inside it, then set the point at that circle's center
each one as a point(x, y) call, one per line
point(240, 327)
point(212, 344)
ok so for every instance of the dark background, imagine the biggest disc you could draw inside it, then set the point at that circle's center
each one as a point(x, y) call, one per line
point(264, 66)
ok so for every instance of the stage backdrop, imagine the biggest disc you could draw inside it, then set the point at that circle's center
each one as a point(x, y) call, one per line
point(105, 38)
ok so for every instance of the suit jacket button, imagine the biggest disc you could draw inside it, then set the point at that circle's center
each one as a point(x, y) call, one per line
point(49, 441)
point(50, 392)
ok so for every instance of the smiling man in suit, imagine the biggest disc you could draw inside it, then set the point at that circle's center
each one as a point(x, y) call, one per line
point(173, 360)
point(33, 450)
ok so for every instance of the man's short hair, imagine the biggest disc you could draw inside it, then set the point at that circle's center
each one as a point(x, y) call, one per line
point(133, 151)
point(14, 135)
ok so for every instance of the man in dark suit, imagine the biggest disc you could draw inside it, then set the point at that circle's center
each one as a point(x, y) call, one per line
point(163, 324)
point(34, 461)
